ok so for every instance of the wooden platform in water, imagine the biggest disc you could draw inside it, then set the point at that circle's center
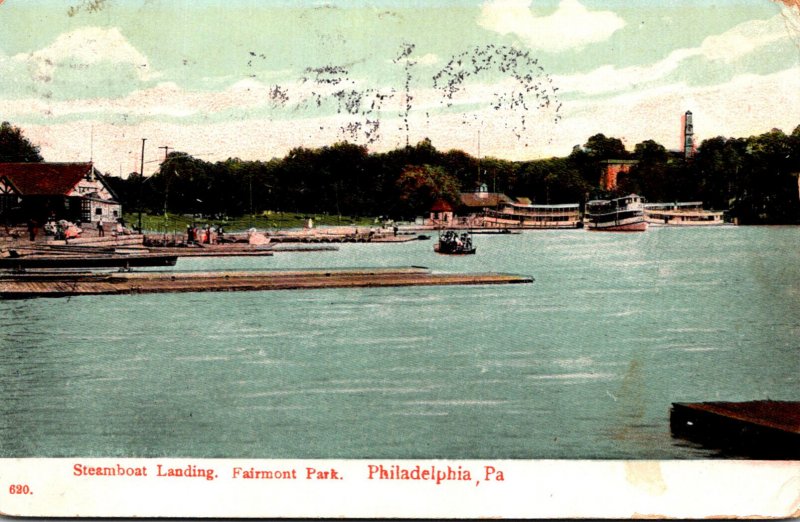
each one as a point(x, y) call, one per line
point(106, 241)
point(339, 238)
point(758, 429)
point(302, 247)
point(212, 251)
point(20, 286)
point(86, 260)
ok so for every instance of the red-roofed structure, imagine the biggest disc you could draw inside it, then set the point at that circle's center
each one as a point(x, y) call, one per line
point(478, 201)
point(41, 191)
point(441, 212)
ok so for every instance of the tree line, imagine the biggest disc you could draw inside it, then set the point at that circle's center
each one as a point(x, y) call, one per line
point(755, 178)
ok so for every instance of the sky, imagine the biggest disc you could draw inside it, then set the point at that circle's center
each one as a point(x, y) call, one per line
point(514, 79)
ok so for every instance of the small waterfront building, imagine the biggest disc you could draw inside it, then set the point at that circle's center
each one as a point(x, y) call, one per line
point(473, 203)
point(41, 191)
point(441, 213)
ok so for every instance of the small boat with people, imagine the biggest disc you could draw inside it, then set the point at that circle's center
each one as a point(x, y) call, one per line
point(625, 214)
point(455, 244)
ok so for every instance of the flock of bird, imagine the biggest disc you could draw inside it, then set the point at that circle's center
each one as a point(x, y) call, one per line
point(532, 90)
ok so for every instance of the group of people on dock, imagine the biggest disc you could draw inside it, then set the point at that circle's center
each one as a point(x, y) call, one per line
point(208, 235)
point(118, 228)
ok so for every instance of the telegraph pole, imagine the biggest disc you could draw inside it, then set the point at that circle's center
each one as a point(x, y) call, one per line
point(166, 181)
point(141, 185)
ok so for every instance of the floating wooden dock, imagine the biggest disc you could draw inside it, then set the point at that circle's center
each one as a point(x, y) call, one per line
point(21, 286)
point(757, 429)
point(338, 238)
point(236, 250)
point(212, 251)
point(302, 247)
point(66, 260)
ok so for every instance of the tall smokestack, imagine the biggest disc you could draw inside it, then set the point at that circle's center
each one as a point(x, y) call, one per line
point(688, 135)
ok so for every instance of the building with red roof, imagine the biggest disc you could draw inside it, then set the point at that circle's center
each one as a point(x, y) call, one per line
point(441, 212)
point(473, 203)
point(41, 191)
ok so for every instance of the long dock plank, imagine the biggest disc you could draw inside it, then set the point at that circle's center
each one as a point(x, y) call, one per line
point(211, 252)
point(760, 429)
point(171, 282)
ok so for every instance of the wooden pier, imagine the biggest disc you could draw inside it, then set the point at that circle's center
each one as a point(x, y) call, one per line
point(86, 260)
point(212, 251)
point(341, 238)
point(756, 429)
point(29, 285)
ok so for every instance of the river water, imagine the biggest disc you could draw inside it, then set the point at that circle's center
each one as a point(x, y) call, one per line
point(583, 363)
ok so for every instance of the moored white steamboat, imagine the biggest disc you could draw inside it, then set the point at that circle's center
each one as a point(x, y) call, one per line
point(624, 214)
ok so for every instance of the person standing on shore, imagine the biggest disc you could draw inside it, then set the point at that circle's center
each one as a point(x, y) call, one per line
point(33, 228)
point(101, 232)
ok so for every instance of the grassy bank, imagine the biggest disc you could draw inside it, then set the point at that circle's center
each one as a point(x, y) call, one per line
point(176, 223)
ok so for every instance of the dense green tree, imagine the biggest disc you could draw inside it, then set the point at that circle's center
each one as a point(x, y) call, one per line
point(183, 184)
point(418, 187)
point(770, 182)
point(719, 168)
point(463, 166)
point(553, 180)
point(755, 177)
point(601, 147)
point(15, 147)
point(587, 160)
point(651, 175)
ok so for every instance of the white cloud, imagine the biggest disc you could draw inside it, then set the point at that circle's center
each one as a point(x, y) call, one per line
point(610, 79)
point(571, 25)
point(791, 19)
point(735, 43)
point(748, 104)
point(84, 47)
point(425, 59)
point(428, 59)
point(743, 39)
point(192, 120)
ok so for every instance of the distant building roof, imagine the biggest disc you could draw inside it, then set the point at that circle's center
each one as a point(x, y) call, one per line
point(483, 199)
point(44, 179)
point(441, 205)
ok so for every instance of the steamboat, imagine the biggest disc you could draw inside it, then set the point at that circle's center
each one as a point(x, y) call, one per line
point(624, 214)
point(517, 215)
point(688, 213)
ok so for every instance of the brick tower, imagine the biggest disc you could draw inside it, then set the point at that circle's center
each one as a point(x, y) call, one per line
point(688, 135)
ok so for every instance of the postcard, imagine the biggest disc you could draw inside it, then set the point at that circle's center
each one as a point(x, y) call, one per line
point(389, 259)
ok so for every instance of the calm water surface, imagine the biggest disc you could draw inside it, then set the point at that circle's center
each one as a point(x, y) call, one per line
point(584, 363)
